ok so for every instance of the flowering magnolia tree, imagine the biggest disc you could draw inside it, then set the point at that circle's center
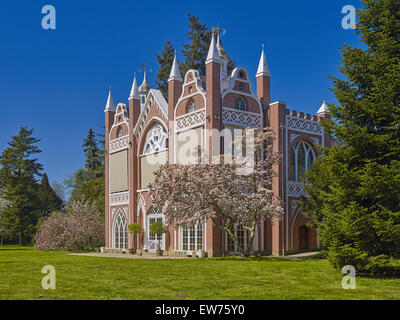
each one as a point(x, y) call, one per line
point(225, 191)
point(79, 227)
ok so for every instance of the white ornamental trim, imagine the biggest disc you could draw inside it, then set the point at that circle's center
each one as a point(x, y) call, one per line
point(295, 189)
point(119, 144)
point(293, 137)
point(117, 199)
point(304, 125)
point(241, 118)
point(190, 120)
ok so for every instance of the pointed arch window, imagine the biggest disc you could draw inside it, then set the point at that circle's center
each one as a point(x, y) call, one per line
point(120, 232)
point(301, 158)
point(156, 139)
point(191, 107)
point(240, 104)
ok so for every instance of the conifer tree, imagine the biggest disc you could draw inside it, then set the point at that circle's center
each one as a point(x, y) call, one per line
point(165, 61)
point(49, 200)
point(91, 151)
point(354, 188)
point(88, 183)
point(18, 173)
point(195, 52)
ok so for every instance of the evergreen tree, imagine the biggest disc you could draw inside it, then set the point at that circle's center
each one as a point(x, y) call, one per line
point(49, 200)
point(196, 51)
point(354, 188)
point(88, 183)
point(91, 151)
point(18, 175)
point(165, 61)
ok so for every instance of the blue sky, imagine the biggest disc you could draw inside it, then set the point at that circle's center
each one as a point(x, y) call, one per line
point(56, 81)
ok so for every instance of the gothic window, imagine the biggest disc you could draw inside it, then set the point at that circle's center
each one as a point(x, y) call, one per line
point(191, 106)
point(156, 139)
point(240, 104)
point(120, 231)
point(192, 237)
point(300, 159)
point(119, 132)
point(241, 235)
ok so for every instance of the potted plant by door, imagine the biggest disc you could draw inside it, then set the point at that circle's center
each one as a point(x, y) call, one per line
point(158, 229)
point(134, 228)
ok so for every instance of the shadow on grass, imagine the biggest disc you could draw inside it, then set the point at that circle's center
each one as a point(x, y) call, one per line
point(15, 249)
point(383, 272)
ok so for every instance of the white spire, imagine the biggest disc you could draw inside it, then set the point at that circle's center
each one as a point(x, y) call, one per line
point(175, 74)
point(323, 109)
point(213, 51)
point(263, 69)
point(135, 90)
point(110, 103)
point(144, 87)
point(219, 46)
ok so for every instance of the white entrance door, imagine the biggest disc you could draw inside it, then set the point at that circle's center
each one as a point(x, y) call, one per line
point(154, 241)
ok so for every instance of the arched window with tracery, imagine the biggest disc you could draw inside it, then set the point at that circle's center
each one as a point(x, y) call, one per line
point(240, 104)
point(191, 106)
point(300, 159)
point(156, 139)
point(120, 232)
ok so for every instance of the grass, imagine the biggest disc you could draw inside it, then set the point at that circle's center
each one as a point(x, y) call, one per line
point(80, 277)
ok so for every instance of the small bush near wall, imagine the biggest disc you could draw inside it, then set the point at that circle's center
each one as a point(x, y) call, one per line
point(79, 227)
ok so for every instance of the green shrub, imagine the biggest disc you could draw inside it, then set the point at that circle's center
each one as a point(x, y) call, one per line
point(157, 228)
point(135, 228)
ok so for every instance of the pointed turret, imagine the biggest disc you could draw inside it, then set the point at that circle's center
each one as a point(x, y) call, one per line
point(263, 65)
point(135, 90)
point(263, 78)
point(174, 92)
point(221, 50)
point(144, 87)
point(110, 103)
point(214, 67)
point(323, 109)
point(213, 54)
point(175, 74)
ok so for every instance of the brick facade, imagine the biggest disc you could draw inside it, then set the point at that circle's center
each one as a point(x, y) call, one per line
point(215, 100)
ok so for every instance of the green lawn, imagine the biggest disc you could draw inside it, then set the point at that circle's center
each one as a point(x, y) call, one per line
point(217, 278)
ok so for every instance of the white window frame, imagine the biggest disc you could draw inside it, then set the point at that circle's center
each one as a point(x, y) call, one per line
point(122, 225)
point(236, 251)
point(240, 104)
point(156, 139)
point(307, 151)
point(196, 243)
point(153, 213)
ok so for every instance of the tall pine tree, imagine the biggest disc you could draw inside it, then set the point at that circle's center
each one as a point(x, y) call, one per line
point(195, 52)
point(91, 151)
point(354, 188)
point(165, 61)
point(88, 183)
point(48, 199)
point(18, 173)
